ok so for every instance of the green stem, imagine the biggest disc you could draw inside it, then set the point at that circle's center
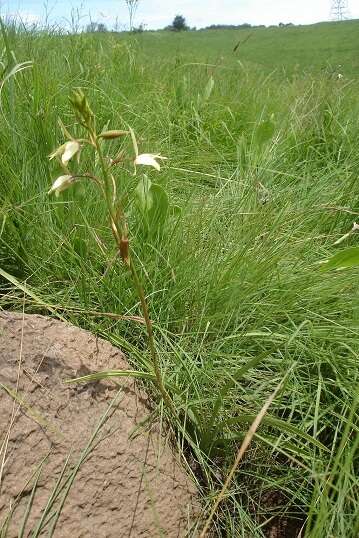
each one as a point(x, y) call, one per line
point(139, 288)
point(106, 176)
point(151, 341)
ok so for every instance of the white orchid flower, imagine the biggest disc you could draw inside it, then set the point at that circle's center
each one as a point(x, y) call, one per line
point(71, 148)
point(60, 184)
point(148, 159)
point(66, 151)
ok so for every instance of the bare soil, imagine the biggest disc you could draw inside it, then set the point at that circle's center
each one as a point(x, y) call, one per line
point(131, 483)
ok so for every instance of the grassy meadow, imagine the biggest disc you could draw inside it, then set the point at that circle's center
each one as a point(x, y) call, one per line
point(262, 180)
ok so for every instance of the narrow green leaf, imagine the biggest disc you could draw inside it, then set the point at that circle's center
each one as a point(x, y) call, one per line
point(28, 291)
point(175, 210)
point(134, 141)
point(343, 259)
point(30, 501)
point(275, 423)
point(159, 210)
point(265, 131)
point(111, 373)
point(252, 363)
point(208, 89)
point(144, 195)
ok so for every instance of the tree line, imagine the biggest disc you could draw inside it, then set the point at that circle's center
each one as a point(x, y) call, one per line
point(179, 24)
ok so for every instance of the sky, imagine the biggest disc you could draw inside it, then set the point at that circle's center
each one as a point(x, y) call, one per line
point(159, 13)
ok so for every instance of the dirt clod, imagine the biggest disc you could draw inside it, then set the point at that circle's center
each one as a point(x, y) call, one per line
point(130, 483)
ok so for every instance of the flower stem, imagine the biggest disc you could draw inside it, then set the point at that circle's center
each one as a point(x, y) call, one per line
point(119, 236)
point(151, 341)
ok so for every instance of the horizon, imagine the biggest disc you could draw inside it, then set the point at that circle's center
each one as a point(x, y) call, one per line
point(157, 14)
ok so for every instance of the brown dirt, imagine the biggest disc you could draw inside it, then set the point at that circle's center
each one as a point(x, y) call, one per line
point(280, 526)
point(131, 484)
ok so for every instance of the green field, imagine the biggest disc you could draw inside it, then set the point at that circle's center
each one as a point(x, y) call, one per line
point(262, 180)
point(312, 49)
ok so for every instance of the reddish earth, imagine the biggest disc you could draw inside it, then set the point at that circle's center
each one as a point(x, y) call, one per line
point(131, 483)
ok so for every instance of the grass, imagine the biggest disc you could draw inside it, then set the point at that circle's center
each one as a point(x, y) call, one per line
point(292, 50)
point(263, 165)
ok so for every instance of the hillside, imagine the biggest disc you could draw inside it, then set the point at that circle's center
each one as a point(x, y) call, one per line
point(313, 48)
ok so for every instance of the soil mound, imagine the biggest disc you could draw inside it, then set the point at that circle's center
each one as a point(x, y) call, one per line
point(124, 481)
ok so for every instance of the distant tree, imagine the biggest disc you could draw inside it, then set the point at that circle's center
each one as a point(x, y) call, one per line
point(138, 29)
point(92, 27)
point(179, 24)
point(96, 27)
point(243, 26)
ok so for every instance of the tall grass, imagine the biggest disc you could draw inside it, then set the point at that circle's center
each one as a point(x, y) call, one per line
point(264, 170)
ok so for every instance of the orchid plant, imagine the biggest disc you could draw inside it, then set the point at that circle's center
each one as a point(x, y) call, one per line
point(106, 183)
